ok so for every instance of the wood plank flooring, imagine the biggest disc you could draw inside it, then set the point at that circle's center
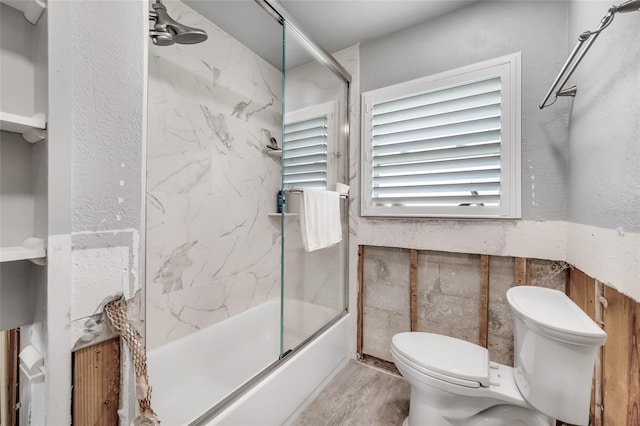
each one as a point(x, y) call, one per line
point(359, 395)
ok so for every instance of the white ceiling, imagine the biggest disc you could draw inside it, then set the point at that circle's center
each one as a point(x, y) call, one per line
point(336, 24)
point(332, 24)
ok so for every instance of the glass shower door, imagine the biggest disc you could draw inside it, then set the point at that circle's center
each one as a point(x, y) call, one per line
point(315, 157)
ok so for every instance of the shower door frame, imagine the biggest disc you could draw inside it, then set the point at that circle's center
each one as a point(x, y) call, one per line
point(288, 23)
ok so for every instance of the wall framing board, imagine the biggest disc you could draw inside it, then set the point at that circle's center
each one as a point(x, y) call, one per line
point(96, 384)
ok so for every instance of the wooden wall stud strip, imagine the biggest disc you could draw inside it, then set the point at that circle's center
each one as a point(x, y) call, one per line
point(14, 375)
point(596, 402)
point(577, 288)
point(483, 333)
point(521, 271)
point(413, 284)
point(360, 303)
point(582, 290)
point(96, 384)
point(9, 377)
point(621, 360)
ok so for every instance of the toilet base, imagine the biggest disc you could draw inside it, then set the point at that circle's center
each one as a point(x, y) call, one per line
point(501, 415)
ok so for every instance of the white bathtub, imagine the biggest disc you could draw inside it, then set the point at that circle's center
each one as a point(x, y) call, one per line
point(192, 374)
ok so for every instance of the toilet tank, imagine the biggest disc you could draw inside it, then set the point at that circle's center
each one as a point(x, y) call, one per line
point(556, 345)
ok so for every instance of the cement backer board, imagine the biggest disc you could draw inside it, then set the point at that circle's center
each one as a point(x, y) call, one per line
point(386, 298)
point(448, 292)
point(501, 278)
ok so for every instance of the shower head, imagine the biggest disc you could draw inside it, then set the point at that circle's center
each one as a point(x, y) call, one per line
point(166, 31)
point(628, 6)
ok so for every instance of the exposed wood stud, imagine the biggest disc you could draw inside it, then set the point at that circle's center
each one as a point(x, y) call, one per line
point(483, 333)
point(521, 271)
point(527, 272)
point(360, 307)
point(413, 284)
point(10, 377)
point(96, 384)
point(621, 360)
point(596, 403)
point(582, 290)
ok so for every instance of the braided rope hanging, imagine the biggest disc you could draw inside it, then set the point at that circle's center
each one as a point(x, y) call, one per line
point(116, 311)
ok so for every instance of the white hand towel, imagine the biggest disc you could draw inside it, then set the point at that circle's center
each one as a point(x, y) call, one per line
point(320, 219)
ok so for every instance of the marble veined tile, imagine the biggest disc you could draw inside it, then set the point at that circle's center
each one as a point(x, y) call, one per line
point(212, 251)
point(178, 314)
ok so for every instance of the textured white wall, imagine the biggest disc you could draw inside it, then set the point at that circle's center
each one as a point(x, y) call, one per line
point(478, 32)
point(604, 147)
point(97, 105)
point(482, 31)
point(581, 199)
point(108, 64)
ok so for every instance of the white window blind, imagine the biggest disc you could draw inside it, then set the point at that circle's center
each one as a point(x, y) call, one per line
point(308, 147)
point(305, 154)
point(446, 145)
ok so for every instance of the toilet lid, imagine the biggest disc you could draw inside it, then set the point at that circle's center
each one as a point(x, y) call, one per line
point(444, 355)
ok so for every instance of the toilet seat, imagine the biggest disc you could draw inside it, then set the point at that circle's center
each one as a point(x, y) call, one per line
point(445, 358)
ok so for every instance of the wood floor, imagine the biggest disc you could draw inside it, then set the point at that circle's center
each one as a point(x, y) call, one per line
point(359, 395)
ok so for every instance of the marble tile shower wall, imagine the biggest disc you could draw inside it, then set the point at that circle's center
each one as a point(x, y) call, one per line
point(448, 295)
point(212, 251)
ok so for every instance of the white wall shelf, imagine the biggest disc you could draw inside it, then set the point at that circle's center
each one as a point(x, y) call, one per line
point(31, 9)
point(273, 152)
point(280, 214)
point(31, 249)
point(32, 128)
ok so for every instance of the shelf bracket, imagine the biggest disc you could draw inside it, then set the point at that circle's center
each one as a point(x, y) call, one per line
point(31, 9)
point(32, 129)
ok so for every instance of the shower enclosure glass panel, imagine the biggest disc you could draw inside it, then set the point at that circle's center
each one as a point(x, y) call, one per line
point(229, 287)
point(315, 156)
point(213, 250)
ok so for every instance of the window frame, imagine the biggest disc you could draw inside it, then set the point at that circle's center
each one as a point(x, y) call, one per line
point(508, 68)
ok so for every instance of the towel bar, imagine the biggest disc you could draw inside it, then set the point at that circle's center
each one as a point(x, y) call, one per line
point(300, 191)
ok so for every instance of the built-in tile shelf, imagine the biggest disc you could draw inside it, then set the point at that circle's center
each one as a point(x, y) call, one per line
point(31, 249)
point(32, 128)
point(31, 9)
point(280, 214)
point(274, 152)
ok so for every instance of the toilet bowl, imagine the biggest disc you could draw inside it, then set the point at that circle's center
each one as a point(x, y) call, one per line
point(453, 382)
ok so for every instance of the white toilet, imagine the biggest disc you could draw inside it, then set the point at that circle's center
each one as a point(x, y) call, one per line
point(454, 383)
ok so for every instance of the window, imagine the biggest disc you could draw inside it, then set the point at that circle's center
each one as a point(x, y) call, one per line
point(446, 145)
point(309, 136)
